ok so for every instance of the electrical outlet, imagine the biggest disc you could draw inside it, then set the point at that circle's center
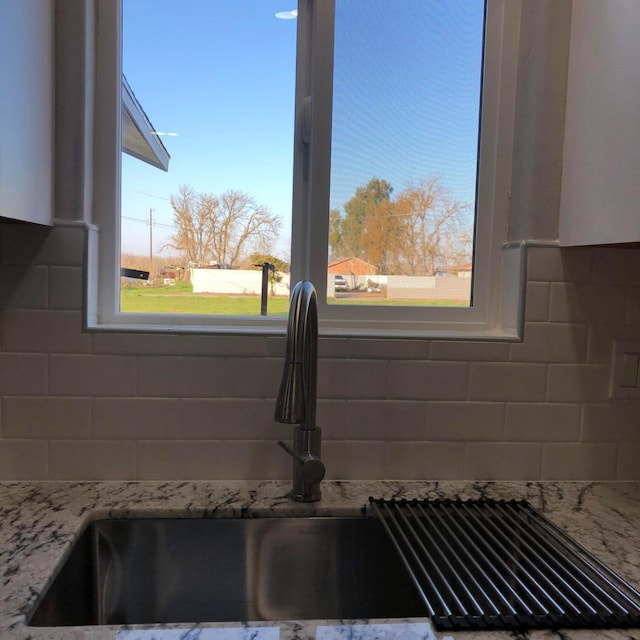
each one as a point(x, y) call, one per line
point(625, 370)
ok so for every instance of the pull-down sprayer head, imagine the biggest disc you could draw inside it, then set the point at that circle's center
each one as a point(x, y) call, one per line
point(296, 402)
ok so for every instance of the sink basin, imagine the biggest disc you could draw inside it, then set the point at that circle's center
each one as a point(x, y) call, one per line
point(145, 571)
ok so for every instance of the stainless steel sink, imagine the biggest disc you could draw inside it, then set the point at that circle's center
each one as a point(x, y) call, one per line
point(144, 571)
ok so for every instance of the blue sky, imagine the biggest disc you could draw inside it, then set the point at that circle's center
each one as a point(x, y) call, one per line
point(221, 73)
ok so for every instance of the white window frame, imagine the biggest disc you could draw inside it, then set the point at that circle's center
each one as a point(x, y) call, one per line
point(499, 271)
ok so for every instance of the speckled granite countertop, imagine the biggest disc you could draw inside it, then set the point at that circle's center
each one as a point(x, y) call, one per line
point(39, 521)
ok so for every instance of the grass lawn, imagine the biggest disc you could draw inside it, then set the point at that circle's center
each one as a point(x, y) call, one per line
point(181, 299)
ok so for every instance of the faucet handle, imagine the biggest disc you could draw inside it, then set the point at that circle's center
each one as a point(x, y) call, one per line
point(312, 467)
point(294, 454)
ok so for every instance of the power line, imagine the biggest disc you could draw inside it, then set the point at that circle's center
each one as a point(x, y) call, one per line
point(146, 222)
point(151, 195)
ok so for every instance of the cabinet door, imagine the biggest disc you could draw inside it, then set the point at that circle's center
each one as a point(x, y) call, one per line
point(600, 200)
point(26, 110)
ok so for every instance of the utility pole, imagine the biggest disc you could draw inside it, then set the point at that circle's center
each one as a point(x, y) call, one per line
point(151, 242)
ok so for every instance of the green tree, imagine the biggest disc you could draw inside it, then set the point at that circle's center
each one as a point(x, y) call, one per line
point(348, 232)
point(256, 260)
point(260, 258)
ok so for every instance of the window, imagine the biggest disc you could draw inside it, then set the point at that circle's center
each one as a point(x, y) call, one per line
point(375, 130)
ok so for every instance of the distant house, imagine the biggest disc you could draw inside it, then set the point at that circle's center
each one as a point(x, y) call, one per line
point(464, 270)
point(352, 267)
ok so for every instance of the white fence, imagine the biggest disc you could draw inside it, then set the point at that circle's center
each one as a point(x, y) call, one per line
point(246, 282)
point(413, 287)
point(429, 288)
point(235, 282)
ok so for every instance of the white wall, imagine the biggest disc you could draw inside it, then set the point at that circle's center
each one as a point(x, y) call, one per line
point(235, 281)
point(76, 405)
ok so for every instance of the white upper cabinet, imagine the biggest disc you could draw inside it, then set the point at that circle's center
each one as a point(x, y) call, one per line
point(26, 110)
point(600, 201)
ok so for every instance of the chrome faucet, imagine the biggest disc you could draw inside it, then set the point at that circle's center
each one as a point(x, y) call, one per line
point(296, 402)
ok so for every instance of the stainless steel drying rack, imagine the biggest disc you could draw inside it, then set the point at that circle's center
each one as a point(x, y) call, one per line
point(486, 564)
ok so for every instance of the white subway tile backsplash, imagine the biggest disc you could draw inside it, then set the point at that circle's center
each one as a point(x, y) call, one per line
point(154, 406)
point(228, 419)
point(628, 467)
point(417, 380)
point(330, 348)
point(44, 332)
point(461, 422)
point(541, 422)
point(368, 379)
point(20, 244)
point(177, 376)
point(616, 266)
point(568, 461)
point(537, 302)
point(92, 460)
point(600, 343)
point(502, 461)
point(91, 375)
point(379, 420)
point(46, 417)
point(179, 345)
point(183, 419)
point(510, 382)
point(253, 377)
point(578, 383)
point(65, 288)
point(331, 416)
point(469, 351)
point(227, 346)
point(389, 349)
point(559, 265)
point(62, 247)
point(275, 346)
point(548, 342)
point(23, 374)
point(334, 378)
point(29, 287)
point(10, 284)
point(593, 304)
point(203, 377)
point(350, 460)
point(23, 460)
point(424, 460)
point(208, 460)
point(618, 422)
point(137, 419)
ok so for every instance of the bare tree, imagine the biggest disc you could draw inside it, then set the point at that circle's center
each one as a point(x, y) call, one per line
point(435, 232)
point(195, 220)
point(243, 225)
point(222, 229)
